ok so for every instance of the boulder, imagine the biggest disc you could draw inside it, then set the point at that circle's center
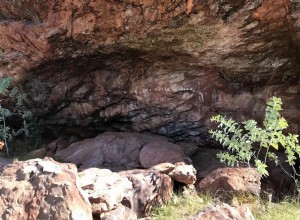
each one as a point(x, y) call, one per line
point(125, 195)
point(184, 173)
point(42, 189)
point(224, 211)
point(160, 151)
point(38, 153)
point(56, 145)
point(150, 188)
point(121, 150)
point(227, 180)
point(188, 148)
point(105, 189)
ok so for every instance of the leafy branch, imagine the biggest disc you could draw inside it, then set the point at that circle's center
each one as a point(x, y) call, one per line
point(240, 139)
point(7, 133)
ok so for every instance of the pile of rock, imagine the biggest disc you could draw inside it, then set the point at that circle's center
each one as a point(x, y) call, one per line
point(111, 176)
point(45, 189)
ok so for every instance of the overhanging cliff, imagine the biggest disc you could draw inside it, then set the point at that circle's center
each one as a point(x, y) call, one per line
point(159, 66)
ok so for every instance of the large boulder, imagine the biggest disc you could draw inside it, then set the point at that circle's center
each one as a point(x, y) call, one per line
point(105, 189)
point(231, 180)
point(126, 195)
point(150, 188)
point(42, 189)
point(160, 151)
point(121, 150)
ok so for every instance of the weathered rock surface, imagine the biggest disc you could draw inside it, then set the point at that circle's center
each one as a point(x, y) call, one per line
point(184, 173)
point(160, 66)
point(105, 189)
point(121, 150)
point(42, 189)
point(230, 181)
point(179, 172)
point(156, 152)
point(224, 211)
point(150, 188)
point(125, 195)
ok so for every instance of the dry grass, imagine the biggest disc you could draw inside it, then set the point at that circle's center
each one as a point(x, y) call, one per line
point(181, 207)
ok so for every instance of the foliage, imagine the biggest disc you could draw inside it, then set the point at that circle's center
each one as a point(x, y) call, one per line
point(241, 139)
point(16, 99)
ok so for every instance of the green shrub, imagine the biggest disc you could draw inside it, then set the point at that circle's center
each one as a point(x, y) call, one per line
point(15, 99)
point(240, 139)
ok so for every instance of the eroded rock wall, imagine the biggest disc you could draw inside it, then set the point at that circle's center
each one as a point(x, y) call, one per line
point(159, 66)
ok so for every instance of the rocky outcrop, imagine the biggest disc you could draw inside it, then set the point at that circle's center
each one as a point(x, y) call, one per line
point(159, 66)
point(42, 189)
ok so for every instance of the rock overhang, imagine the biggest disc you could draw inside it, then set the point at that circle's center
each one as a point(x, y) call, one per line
point(159, 66)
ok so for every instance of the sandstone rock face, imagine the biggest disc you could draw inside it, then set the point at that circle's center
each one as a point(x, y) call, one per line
point(225, 212)
point(159, 66)
point(227, 180)
point(42, 189)
point(121, 150)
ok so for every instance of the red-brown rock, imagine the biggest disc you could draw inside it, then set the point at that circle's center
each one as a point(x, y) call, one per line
point(121, 150)
point(159, 66)
point(42, 189)
point(105, 189)
point(160, 151)
point(231, 180)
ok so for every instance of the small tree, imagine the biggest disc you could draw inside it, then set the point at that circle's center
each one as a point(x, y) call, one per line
point(7, 133)
point(240, 139)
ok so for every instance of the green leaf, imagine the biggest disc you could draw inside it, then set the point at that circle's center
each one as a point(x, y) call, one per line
point(261, 168)
point(4, 84)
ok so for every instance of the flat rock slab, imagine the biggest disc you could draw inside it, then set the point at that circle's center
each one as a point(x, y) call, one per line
point(130, 150)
